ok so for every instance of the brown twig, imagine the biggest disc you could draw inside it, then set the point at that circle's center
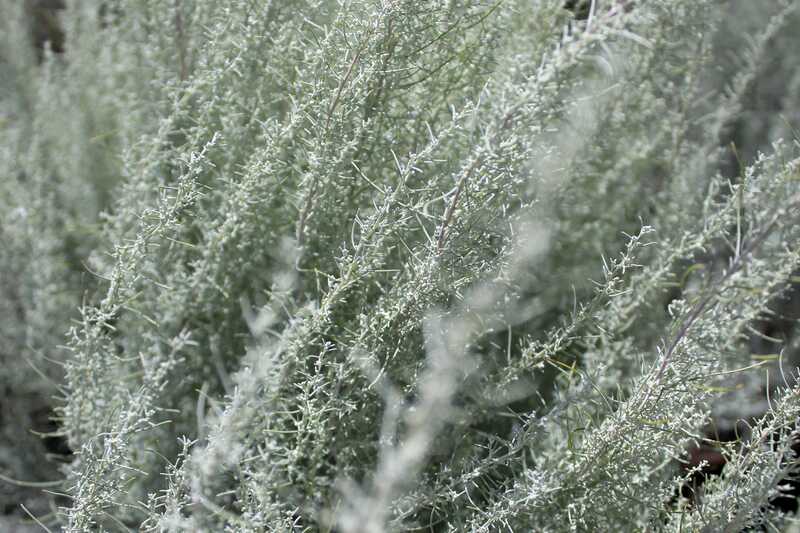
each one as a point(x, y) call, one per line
point(339, 89)
point(448, 214)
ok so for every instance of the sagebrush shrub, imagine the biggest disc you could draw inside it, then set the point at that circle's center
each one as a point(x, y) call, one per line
point(402, 265)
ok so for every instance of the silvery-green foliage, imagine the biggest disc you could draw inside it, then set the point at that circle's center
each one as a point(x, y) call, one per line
point(464, 265)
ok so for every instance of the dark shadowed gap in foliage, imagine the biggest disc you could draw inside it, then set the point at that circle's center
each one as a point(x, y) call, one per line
point(45, 26)
point(581, 8)
point(40, 452)
point(709, 455)
point(790, 486)
point(45, 424)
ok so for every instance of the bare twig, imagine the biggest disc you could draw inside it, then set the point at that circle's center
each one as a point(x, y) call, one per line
point(448, 214)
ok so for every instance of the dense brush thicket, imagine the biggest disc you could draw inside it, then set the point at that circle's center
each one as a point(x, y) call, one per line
point(399, 265)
